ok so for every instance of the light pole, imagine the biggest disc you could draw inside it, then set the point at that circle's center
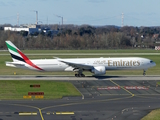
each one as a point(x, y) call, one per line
point(36, 16)
point(60, 17)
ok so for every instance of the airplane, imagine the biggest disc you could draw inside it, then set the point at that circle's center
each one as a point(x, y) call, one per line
point(97, 66)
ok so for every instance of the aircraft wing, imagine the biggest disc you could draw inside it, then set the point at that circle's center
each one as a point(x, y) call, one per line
point(76, 65)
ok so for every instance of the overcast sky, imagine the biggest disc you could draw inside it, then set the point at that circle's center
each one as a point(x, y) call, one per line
point(93, 12)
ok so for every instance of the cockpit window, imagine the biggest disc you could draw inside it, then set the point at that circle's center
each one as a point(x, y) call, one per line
point(151, 61)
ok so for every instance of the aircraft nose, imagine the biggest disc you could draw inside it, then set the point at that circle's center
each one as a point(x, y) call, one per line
point(154, 64)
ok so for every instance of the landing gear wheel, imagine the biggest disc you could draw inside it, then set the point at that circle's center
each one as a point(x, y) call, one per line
point(79, 75)
point(82, 75)
point(76, 75)
point(144, 73)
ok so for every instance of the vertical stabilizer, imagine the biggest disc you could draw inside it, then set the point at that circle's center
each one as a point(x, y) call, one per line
point(15, 52)
point(18, 56)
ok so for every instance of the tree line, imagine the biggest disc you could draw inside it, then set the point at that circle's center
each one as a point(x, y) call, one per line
point(85, 37)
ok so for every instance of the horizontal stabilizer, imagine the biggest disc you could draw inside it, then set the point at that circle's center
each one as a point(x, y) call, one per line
point(14, 64)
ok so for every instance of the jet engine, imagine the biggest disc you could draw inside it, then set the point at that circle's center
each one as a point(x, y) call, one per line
point(99, 70)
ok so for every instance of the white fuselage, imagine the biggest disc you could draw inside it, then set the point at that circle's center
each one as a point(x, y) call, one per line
point(124, 63)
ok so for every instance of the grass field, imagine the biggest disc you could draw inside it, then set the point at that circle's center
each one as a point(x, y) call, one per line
point(89, 51)
point(153, 115)
point(9, 71)
point(52, 90)
point(158, 83)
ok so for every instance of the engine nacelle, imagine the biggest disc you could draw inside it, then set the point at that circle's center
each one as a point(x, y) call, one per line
point(99, 70)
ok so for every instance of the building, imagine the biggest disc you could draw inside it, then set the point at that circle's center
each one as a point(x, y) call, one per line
point(49, 31)
point(31, 29)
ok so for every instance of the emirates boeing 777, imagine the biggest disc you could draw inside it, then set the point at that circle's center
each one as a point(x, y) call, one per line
point(98, 66)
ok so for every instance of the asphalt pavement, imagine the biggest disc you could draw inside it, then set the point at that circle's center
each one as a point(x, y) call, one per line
point(100, 100)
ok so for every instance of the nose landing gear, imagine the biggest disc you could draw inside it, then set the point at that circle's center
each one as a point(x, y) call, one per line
point(144, 72)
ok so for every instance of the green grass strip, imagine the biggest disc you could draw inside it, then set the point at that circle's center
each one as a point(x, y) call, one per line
point(158, 83)
point(15, 89)
point(153, 115)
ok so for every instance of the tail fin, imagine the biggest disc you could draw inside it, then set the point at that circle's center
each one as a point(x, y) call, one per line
point(17, 55)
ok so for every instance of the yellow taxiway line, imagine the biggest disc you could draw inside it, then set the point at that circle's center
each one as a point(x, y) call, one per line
point(122, 88)
point(27, 113)
point(64, 113)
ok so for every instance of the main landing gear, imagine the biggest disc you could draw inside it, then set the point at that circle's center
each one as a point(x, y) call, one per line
point(79, 73)
point(144, 72)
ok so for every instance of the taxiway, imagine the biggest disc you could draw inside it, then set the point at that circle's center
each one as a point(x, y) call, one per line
point(72, 78)
point(101, 100)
